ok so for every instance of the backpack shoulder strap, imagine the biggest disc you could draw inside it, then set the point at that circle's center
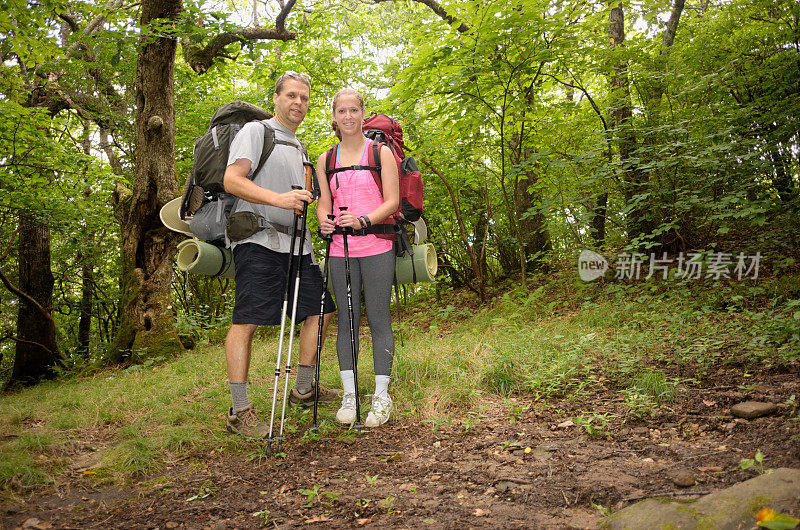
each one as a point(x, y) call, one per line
point(330, 161)
point(374, 161)
point(269, 145)
point(266, 150)
point(304, 151)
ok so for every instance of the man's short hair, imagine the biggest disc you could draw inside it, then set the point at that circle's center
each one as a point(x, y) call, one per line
point(291, 74)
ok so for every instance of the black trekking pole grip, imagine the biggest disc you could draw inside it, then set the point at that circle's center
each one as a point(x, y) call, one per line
point(344, 229)
point(298, 211)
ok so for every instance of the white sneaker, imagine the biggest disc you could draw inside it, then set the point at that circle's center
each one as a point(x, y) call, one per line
point(381, 408)
point(347, 412)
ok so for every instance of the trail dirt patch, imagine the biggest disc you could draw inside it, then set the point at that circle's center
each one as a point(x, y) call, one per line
point(516, 464)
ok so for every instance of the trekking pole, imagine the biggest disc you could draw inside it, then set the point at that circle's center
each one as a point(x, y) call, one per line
point(321, 317)
point(357, 425)
point(294, 300)
point(270, 438)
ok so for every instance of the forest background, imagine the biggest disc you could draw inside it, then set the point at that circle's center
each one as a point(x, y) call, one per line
point(541, 127)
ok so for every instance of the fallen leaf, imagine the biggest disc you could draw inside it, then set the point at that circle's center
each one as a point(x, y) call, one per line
point(480, 513)
point(317, 519)
point(565, 424)
point(769, 518)
point(365, 520)
point(709, 403)
point(89, 473)
point(766, 514)
point(709, 469)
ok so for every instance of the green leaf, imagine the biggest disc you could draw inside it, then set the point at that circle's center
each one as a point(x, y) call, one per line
point(780, 522)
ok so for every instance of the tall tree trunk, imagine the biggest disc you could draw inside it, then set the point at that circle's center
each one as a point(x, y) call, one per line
point(480, 225)
point(782, 181)
point(87, 299)
point(533, 227)
point(86, 262)
point(599, 220)
point(147, 324)
point(37, 352)
point(634, 179)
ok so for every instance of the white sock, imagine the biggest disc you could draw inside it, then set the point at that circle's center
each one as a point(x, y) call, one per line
point(348, 381)
point(382, 385)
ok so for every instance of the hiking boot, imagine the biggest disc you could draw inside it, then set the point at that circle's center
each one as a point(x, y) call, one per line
point(381, 408)
point(347, 412)
point(246, 423)
point(307, 399)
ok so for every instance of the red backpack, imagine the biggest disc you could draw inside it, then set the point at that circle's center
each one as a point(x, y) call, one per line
point(383, 130)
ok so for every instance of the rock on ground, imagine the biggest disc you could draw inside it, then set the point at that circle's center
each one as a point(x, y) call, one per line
point(727, 509)
point(753, 409)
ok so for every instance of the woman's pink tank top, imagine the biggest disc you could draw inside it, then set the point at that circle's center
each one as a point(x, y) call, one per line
point(356, 189)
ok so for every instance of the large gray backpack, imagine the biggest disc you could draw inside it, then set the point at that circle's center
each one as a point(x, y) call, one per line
point(205, 205)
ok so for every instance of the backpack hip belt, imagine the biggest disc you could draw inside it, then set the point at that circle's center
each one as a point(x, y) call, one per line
point(241, 225)
point(374, 229)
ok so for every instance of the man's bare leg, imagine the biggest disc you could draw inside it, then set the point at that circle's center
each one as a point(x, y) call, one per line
point(238, 345)
point(242, 419)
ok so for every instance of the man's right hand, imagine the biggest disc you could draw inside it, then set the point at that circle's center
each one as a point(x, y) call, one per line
point(293, 199)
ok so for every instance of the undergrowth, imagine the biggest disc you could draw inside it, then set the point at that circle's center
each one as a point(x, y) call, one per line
point(559, 337)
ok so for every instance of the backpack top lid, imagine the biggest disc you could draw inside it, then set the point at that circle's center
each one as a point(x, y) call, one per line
point(389, 127)
point(238, 112)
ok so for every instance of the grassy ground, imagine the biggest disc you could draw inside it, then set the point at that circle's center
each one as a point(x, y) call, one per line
point(560, 337)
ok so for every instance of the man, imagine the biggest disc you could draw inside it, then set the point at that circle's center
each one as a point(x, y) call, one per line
point(263, 258)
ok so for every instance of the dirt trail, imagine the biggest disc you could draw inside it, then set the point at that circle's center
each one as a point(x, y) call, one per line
point(514, 466)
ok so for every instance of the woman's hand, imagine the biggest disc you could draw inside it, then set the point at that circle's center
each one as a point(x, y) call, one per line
point(326, 226)
point(347, 219)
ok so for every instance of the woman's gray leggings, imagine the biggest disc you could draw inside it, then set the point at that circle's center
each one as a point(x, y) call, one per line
point(376, 275)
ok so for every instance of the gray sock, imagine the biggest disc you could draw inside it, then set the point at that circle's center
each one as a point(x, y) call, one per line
point(239, 395)
point(305, 378)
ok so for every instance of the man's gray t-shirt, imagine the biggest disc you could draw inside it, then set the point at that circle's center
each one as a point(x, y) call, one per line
point(283, 168)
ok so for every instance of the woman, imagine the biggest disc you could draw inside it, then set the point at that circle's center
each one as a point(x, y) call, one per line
point(372, 258)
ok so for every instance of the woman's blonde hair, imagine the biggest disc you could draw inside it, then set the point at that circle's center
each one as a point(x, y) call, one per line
point(344, 91)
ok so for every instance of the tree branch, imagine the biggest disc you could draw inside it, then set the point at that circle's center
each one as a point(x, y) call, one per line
point(280, 20)
point(97, 22)
point(25, 296)
point(585, 93)
point(461, 228)
point(70, 20)
point(8, 336)
point(672, 24)
point(439, 10)
point(201, 59)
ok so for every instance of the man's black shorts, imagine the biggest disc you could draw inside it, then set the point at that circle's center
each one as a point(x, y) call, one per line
point(261, 286)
